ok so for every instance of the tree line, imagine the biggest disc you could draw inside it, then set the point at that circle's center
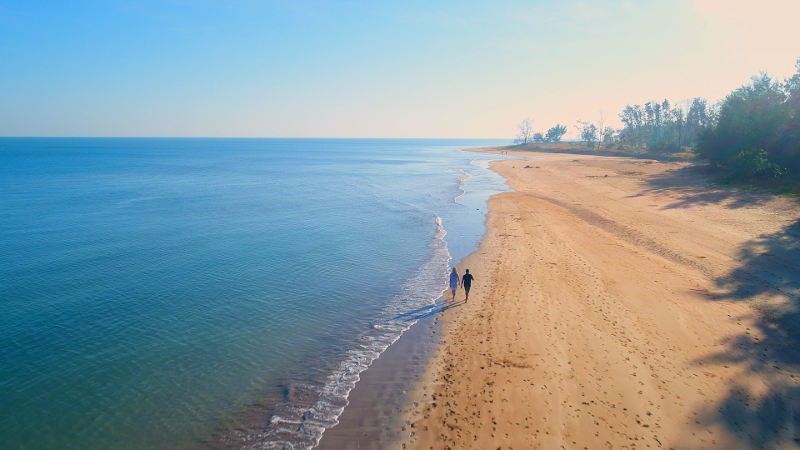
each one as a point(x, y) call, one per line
point(525, 133)
point(756, 130)
point(658, 127)
point(753, 133)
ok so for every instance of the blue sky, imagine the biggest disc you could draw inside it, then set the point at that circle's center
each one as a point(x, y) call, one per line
point(369, 69)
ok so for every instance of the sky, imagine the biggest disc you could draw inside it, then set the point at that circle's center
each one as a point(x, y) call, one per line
point(385, 69)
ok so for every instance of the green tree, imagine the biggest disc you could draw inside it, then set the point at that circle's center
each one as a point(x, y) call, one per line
point(697, 119)
point(609, 136)
point(633, 118)
point(587, 132)
point(751, 117)
point(555, 133)
point(787, 151)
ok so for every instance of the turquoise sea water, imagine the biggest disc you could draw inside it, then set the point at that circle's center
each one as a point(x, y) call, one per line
point(152, 290)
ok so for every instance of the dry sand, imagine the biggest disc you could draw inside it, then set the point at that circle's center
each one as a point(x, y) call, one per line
point(620, 304)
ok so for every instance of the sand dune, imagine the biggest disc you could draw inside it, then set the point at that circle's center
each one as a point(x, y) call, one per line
point(620, 304)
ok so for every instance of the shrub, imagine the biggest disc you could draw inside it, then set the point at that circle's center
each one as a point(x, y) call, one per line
point(752, 164)
point(664, 146)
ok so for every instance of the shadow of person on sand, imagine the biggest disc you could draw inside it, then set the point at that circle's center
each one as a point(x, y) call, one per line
point(694, 187)
point(439, 309)
point(428, 311)
point(768, 278)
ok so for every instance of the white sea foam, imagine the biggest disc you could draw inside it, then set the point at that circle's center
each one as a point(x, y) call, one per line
point(298, 427)
point(463, 182)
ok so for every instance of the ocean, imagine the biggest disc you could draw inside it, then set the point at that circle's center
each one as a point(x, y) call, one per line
point(153, 291)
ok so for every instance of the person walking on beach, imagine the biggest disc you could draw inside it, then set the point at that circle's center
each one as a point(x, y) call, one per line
point(454, 279)
point(466, 281)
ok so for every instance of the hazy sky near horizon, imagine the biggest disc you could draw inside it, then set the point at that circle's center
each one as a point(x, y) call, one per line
point(331, 68)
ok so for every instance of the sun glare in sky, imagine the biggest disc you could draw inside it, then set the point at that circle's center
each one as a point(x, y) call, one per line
point(371, 69)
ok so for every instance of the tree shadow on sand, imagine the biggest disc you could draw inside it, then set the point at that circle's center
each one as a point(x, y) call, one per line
point(768, 278)
point(692, 186)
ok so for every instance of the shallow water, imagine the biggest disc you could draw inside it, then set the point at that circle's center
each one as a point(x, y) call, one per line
point(154, 290)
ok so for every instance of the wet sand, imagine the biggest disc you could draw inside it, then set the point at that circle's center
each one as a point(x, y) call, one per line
point(620, 304)
point(372, 419)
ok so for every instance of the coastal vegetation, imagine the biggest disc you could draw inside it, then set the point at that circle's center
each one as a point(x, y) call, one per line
point(752, 136)
point(554, 134)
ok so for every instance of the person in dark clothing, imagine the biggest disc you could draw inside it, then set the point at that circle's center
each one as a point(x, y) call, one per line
point(466, 283)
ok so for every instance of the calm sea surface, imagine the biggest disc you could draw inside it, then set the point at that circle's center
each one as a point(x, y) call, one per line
point(152, 290)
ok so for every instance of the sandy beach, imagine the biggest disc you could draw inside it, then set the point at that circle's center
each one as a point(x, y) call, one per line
point(622, 304)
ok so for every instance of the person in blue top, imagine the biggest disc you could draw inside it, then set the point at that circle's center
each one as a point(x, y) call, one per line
point(466, 281)
point(454, 279)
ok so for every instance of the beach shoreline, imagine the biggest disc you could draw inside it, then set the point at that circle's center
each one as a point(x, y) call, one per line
point(363, 411)
point(372, 418)
point(618, 303)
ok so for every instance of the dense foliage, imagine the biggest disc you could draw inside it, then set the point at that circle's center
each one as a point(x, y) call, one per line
point(761, 118)
point(660, 126)
point(753, 133)
point(554, 134)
